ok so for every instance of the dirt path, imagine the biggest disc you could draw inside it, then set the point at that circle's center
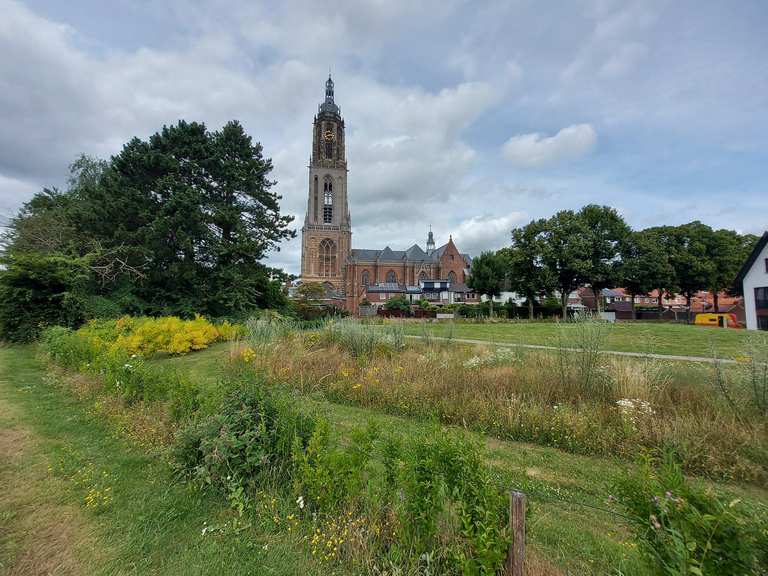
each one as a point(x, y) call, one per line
point(39, 531)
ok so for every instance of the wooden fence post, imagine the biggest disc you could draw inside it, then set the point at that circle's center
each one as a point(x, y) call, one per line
point(516, 554)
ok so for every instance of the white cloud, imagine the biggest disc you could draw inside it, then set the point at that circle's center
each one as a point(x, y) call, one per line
point(536, 149)
point(426, 89)
point(481, 233)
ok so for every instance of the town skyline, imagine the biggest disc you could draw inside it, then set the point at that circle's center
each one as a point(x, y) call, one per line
point(473, 121)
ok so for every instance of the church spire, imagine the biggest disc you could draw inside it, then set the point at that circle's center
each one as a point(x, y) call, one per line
point(430, 241)
point(329, 89)
point(329, 105)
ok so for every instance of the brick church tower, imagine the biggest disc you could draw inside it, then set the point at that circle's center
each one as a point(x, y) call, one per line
point(327, 233)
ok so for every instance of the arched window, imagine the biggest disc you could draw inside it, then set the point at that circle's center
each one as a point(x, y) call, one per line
point(316, 200)
point(423, 276)
point(327, 258)
point(451, 278)
point(365, 278)
point(328, 200)
point(391, 277)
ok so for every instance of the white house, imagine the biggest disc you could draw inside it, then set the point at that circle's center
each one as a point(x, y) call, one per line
point(754, 279)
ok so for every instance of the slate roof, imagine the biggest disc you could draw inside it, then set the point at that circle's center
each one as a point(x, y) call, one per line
point(392, 287)
point(751, 260)
point(413, 254)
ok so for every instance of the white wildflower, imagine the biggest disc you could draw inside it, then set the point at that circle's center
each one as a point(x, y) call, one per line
point(300, 502)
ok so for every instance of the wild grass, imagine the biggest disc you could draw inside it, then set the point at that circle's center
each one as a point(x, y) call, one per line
point(579, 401)
point(582, 401)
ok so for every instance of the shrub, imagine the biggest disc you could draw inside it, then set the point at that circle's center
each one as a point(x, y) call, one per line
point(38, 291)
point(251, 440)
point(446, 481)
point(689, 529)
point(330, 476)
point(126, 375)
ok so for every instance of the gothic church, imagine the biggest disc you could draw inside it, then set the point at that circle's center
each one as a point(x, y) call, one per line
point(352, 276)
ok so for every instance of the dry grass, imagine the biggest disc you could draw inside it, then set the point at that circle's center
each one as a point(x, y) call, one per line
point(629, 403)
point(39, 535)
point(148, 424)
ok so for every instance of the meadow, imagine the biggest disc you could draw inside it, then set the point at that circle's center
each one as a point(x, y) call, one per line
point(362, 451)
point(642, 337)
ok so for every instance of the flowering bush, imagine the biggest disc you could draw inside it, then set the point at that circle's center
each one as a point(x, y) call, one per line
point(689, 529)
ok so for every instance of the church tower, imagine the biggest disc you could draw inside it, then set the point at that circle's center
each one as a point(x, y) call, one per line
point(327, 233)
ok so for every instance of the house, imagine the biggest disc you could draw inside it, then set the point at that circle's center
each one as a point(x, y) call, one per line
point(753, 278)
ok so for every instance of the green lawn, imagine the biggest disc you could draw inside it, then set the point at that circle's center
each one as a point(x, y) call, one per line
point(658, 338)
point(154, 525)
point(53, 452)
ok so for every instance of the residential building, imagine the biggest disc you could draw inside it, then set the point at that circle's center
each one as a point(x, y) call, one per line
point(753, 278)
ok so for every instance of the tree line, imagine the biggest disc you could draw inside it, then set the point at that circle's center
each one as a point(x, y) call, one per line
point(176, 224)
point(595, 247)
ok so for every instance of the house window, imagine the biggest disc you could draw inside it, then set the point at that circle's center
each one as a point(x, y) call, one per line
point(766, 265)
point(327, 257)
point(761, 298)
point(422, 276)
point(365, 278)
point(382, 296)
point(391, 277)
point(451, 278)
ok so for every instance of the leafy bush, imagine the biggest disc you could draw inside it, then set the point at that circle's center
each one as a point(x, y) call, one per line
point(123, 374)
point(399, 303)
point(170, 334)
point(689, 529)
point(147, 336)
point(445, 481)
point(330, 476)
point(250, 441)
point(38, 291)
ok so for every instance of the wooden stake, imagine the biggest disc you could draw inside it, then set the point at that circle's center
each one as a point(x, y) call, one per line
point(516, 554)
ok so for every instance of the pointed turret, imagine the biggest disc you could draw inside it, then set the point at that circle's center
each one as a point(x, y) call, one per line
point(430, 241)
point(329, 106)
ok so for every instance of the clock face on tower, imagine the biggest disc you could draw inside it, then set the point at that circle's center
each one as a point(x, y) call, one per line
point(329, 135)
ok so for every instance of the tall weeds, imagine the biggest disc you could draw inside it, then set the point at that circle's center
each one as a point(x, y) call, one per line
point(577, 400)
point(579, 349)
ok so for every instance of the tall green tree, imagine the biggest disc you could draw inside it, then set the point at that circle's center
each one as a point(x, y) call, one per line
point(524, 261)
point(691, 261)
point(487, 276)
point(727, 251)
point(666, 238)
point(194, 209)
point(606, 231)
point(644, 265)
point(179, 223)
point(566, 256)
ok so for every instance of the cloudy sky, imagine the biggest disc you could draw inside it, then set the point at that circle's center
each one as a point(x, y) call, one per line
point(473, 117)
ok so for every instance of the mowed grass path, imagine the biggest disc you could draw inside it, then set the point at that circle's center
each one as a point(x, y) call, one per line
point(51, 444)
point(642, 337)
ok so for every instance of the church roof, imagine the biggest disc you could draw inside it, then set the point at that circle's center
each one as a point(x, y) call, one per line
point(416, 253)
point(413, 254)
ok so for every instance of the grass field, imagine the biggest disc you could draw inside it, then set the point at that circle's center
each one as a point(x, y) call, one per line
point(54, 452)
point(657, 338)
point(569, 533)
point(85, 498)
